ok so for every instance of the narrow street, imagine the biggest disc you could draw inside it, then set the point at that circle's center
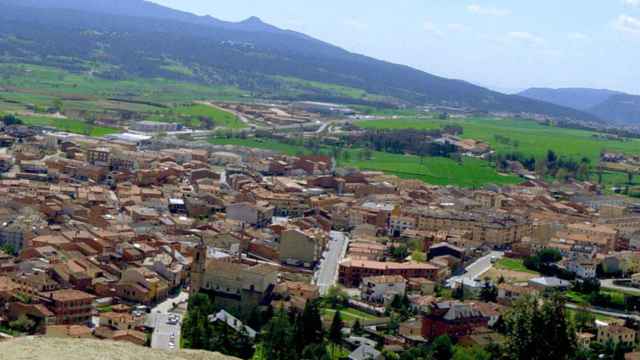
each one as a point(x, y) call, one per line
point(327, 274)
point(477, 268)
point(167, 325)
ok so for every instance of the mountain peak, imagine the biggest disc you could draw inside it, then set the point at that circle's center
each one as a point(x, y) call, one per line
point(254, 20)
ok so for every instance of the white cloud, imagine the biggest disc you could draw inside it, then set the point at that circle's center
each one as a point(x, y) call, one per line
point(432, 28)
point(578, 36)
point(488, 10)
point(632, 3)
point(457, 27)
point(627, 24)
point(526, 38)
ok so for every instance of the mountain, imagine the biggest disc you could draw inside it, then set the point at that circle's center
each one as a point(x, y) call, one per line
point(134, 38)
point(576, 98)
point(609, 105)
point(621, 108)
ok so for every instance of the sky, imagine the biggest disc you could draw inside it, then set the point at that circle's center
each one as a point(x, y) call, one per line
point(506, 45)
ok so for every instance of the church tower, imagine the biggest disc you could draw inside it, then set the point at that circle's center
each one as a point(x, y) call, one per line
point(198, 267)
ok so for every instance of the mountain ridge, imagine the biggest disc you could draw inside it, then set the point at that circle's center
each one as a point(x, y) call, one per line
point(609, 105)
point(249, 54)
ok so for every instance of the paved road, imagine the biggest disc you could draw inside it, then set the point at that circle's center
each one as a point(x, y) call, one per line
point(166, 335)
point(327, 274)
point(477, 268)
point(608, 284)
point(606, 312)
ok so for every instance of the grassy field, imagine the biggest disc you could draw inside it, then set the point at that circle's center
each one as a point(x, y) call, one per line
point(437, 171)
point(40, 85)
point(513, 265)
point(532, 138)
point(68, 125)
point(220, 117)
point(348, 314)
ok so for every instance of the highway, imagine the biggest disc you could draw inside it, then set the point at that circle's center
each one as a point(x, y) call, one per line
point(327, 274)
point(477, 268)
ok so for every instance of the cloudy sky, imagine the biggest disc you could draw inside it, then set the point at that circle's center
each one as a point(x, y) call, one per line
point(502, 44)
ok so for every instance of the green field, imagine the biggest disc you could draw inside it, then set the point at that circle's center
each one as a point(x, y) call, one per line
point(532, 138)
point(40, 85)
point(513, 265)
point(348, 314)
point(220, 117)
point(471, 173)
point(68, 125)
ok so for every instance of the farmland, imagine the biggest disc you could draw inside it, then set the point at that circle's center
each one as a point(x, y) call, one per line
point(471, 173)
point(530, 138)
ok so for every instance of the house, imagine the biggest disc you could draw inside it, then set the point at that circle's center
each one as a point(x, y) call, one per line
point(351, 271)
point(508, 293)
point(445, 249)
point(301, 247)
point(549, 283)
point(69, 331)
point(233, 323)
point(71, 306)
point(451, 318)
point(616, 334)
point(584, 269)
point(382, 289)
point(258, 215)
point(365, 352)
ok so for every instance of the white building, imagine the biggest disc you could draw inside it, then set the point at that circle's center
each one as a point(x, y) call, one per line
point(584, 269)
point(382, 289)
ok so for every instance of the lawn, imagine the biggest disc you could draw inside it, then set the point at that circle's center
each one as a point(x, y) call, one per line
point(348, 314)
point(471, 173)
point(220, 117)
point(513, 265)
point(40, 85)
point(68, 125)
point(532, 138)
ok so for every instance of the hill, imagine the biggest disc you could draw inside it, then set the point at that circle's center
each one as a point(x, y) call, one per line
point(132, 38)
point(42, 348)
point(613, 106)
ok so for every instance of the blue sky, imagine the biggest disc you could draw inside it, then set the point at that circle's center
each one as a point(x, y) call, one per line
point(504, 45)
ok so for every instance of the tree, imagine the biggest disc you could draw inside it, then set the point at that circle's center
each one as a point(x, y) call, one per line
point(11, 120)
point(489, 292)
point(23, 324)
point(357, 328)
point(58, 105)
point(277, 338)
point(335, 331)
point(315, 352)
point(583, 172)
point(442, 348)
point(538, 329)
point(473, 353)
point(312, 323)
point(541, 167)
point(584, 319)
point(336, 296)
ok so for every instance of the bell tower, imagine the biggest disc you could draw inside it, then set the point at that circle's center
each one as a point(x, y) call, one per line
point(199, 265)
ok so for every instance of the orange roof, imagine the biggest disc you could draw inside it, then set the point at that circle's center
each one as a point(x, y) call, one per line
point(70, 295)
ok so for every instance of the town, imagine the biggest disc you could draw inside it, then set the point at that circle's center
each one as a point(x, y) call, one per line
point(144, 239)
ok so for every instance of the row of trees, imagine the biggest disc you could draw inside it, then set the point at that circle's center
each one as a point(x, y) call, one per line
point(405, 141)
point(562, 168)
point(287, 335)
